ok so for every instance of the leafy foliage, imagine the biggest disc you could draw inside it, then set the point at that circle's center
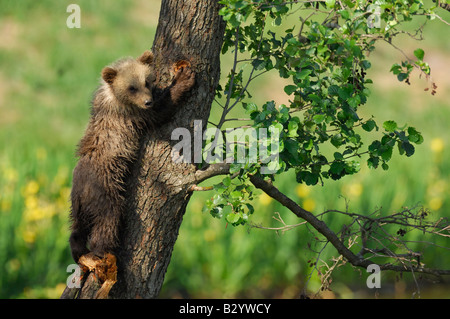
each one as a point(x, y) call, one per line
point(326, 58)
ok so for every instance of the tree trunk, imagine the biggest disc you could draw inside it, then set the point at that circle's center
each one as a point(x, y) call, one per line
point(159, 188)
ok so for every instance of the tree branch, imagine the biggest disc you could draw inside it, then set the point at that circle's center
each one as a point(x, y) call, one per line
point(321, 227)
point(194, 188)
point(211, 171)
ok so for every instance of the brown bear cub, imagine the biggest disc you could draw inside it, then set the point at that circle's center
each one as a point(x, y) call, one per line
point(123, 108)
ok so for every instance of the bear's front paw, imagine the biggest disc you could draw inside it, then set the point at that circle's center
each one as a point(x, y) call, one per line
point(185, 77)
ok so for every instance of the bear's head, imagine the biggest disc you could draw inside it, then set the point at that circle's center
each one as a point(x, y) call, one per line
point(131, 80)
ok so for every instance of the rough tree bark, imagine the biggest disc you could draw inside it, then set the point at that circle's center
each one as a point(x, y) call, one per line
point(192, 31)
point(159, 188)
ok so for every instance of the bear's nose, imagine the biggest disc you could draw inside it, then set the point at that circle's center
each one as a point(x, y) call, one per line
point(148, 102)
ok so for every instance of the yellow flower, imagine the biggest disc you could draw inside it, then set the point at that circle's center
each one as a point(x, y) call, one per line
point(41, 153)
point(209, 235)
point(33, 214)
point(29, 236)
point(31, 202)
point(65, 193)
point(309, 204)
point(62, 202)
point(5, 205)
point(31, 188)
point(13, 264)
point(11, 175)
point(435, 203)
point(265, 199)
point(61, 176)
point(36, 210)
point(55, 293)
point(438, 187)
point(353, 190)
point(437, 145)
point(302, 190)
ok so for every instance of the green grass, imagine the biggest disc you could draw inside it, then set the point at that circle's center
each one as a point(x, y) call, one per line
point(47, 76)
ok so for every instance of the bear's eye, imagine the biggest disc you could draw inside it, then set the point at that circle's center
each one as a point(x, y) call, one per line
point(147, 84)
point(132, 89)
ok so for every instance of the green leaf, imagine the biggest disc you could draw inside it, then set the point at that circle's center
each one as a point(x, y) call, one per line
point(223, 11)
point(232, 19)
point(273, 166)
point(318, 118)
point(227, 181)
point(302, 74)
point(291, 49)
point(292, 129)
point(369, 125)
point(218, 199)
point(308, 145)
point(409, 148)
point(251, 209)
point(292, 146)
point(366, 64)
point(276, 127)
point(338, 156)
point(250, 107)
point(216, 212)
point(337, 167)
point(352, 167)
point(372, 162)
point(311, 178)
point(315, 98)
point(258, 64)
point(344, 14)
point(354, 101)
point(333, 90)
point(402, 76)
point(419, 53)
point(387, 154)
point(233, 218)
point(289, 89)
point(219, 188)
point(283, 115)
point(420, 140)
point(235, 167)
point(345, 92)
point(336, 140)
point(414, 136)
point(396, 68)
point(330, 3)
point(402, 136)
point(390, 126)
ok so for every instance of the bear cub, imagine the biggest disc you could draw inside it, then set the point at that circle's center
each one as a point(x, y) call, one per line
point(125, 105)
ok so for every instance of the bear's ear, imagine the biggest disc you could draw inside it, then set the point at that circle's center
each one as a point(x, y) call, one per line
point(146, 58)
point(109, 74)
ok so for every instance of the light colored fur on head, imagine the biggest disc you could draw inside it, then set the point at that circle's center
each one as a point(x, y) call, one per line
point(119, 78)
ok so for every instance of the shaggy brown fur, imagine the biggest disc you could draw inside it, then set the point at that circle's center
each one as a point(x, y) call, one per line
point(122, 109)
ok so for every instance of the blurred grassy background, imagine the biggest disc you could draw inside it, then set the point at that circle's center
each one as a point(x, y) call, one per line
point(48, 73)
